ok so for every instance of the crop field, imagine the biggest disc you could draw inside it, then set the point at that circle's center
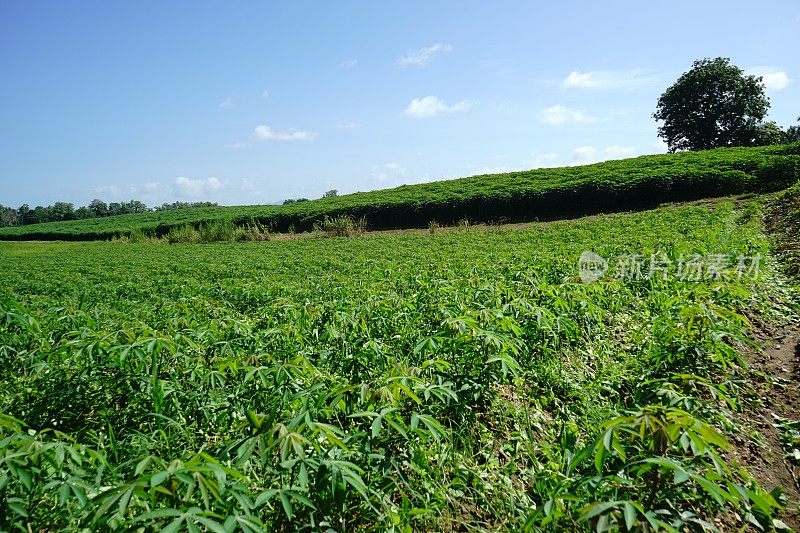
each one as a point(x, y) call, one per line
point(543, 194)
point(454, 381)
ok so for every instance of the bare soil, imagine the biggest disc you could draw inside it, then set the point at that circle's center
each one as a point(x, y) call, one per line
point(778, 389)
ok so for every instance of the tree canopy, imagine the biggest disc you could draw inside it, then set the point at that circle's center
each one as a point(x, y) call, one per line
point(61, 211)
point(714, 104)
point(792, 133)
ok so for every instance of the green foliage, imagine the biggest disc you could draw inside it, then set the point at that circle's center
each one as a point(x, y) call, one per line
point(215, 231)
point(714, 104)
point(543, 194)
point(792, 133)
point(183, 234)
point(454, 380)
point(783, 223)
point(790, 438)
point(341, 226)
point(770, 133)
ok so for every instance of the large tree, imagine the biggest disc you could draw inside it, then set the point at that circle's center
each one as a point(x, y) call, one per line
point(714, 104)
point(99, 208)
point(792, 133)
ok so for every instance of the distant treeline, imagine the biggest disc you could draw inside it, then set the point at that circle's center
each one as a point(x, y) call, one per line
point(61, 211)
point(541, 194)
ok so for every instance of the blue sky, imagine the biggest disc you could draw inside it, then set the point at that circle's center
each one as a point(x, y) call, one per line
point(255, 102)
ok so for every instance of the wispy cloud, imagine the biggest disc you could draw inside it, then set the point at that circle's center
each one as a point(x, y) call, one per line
point(227, 103)
point(197, 187)
point(238, 145)
point(773, 78)
point(350, 63)
point(430, 106)
point(242, 190)
point(660, 147)
point(109, 190)
point(390, 172)
point(421, 57)
point(348, 126)
point(266, 133)
point(611, 79)
point(583, 155)
point(545, 160)
point(265, 94)
point(559, 114)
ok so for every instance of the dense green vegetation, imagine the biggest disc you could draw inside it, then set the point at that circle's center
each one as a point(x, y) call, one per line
point(439, 381)
point(543, 194)
point(783, 224)
point(63, 211)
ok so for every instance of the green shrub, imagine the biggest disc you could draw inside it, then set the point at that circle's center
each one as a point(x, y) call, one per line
point(251, 232)
point(219, 230)
point(341, 226)
point(183, 234)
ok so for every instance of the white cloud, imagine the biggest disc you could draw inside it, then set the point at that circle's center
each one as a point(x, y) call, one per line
point(481, 170)
point(583, 155)
point(239, 145)
point(227, 103)
point(660, 147)
point(430, 106)
point(348, 126)
point(265, 133)
point(212, 189)
point(421, 57)
point(110, 190)
point(197, 187)
point(350, 63)
point(153, 187)
point(265, 94)
point(559, 114)
point(392, 172)
point(536, 160)
point(546, 160)
point(773, 78)
point(619, 152)
point(611, 79)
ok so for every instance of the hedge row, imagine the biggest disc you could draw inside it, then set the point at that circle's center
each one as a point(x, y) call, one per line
point(541, 194)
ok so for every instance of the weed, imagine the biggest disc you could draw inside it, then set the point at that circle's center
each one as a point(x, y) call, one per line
point(341, 226)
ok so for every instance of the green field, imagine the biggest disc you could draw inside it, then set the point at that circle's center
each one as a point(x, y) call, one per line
point(457, 380)
point(542, 194)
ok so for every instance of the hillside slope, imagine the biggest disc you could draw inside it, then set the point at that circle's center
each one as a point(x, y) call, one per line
point(553, 193)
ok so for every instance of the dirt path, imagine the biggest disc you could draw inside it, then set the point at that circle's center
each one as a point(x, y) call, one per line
point(779, 394)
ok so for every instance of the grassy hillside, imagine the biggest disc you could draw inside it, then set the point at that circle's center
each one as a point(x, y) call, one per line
point(623, 185)
point(449, 381)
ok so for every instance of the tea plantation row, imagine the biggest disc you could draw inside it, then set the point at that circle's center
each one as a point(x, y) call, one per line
point(543, 194)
